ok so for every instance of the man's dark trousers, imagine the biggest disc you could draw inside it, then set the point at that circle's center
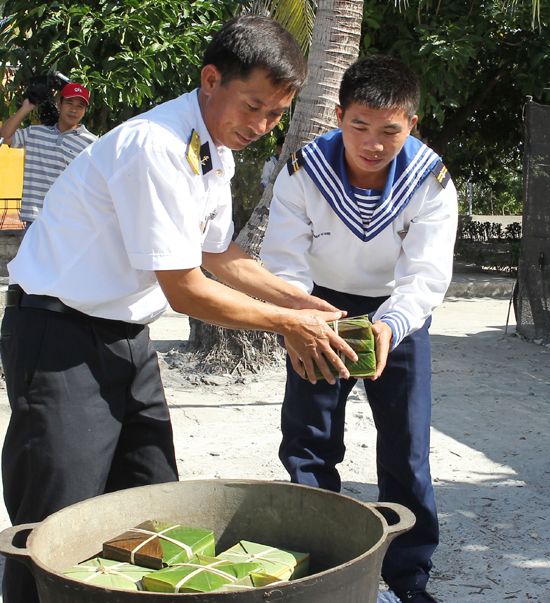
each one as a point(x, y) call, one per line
point(89, 416)
point(313, 420)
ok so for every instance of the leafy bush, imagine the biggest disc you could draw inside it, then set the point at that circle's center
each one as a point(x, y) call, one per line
point(489, 245)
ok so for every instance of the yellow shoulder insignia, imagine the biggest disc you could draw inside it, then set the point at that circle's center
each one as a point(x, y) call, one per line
point(295, 162)
point(441, 173)
point(193, 152)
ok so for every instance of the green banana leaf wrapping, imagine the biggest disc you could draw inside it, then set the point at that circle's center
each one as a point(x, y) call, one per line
point(357, 332)
point(108, 573)
point(202, 575)
point(155, 544)
point(253, 580)
point(279, 563)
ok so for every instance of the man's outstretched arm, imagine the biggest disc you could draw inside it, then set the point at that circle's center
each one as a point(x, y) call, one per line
point(11, 125)
point(191, 292)
point(236, 268)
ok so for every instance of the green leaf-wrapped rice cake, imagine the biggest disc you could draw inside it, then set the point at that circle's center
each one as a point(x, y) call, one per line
point(253, 580)
point(202, 575)
point(279, 563)
point(357, 332)
point(109, 573)
point(155, 544)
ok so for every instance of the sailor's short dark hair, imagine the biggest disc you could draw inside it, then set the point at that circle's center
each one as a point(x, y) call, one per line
point(380, 82)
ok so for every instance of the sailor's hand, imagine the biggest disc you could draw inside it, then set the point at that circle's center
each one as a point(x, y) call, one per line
point(383, 336)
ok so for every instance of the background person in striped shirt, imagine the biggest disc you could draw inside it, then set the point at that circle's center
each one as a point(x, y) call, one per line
point(49, 149)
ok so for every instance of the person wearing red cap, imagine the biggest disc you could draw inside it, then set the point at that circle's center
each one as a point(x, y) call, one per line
point(49, 149)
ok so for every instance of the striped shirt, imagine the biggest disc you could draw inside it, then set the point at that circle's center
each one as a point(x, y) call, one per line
point(48, 153)
point(367, 202)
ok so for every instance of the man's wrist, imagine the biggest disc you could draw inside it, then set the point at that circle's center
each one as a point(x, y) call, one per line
point(283, 320)
point(294, 297)
point(24, 111)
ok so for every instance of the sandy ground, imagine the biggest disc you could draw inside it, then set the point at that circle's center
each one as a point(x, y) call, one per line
point(490, 443)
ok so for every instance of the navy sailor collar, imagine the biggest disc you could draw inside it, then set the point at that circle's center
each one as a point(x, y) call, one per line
point(324, 162)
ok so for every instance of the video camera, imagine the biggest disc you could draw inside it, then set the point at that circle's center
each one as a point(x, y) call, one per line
point(40, 92)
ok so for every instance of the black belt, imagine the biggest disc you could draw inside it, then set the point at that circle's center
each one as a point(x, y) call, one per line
point(17, 298)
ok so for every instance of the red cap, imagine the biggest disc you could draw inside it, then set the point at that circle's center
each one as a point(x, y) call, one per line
point(74, 90)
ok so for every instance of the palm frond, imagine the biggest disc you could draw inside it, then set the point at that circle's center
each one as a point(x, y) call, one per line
point(535, 6)
point(297, 16)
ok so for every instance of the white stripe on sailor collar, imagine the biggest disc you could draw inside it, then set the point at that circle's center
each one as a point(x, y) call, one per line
point(324, 162)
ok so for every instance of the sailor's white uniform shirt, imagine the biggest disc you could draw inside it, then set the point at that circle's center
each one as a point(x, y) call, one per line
point(410, 260)
point(128, 205)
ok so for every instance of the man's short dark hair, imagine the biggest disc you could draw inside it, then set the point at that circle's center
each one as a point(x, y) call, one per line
point(246, 43)
point(381, 82)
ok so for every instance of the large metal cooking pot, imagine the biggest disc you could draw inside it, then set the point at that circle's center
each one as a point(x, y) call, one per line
point(346, 539)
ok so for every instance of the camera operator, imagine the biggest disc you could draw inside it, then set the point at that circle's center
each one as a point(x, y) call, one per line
point(49, 149)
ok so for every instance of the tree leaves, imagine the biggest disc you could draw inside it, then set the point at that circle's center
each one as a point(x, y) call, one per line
point(476, 62)
point(130, 54)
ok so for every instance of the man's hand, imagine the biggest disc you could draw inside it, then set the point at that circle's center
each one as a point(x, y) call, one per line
point(311, 302)
point(307, 331)
point(12, 124)
point(28, 106)
point(311, 340)
point(382, 340)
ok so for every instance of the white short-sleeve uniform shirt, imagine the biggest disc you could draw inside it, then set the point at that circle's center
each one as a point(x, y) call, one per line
point(128, 205)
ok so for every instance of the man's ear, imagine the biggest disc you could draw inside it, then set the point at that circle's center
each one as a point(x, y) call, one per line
point(339, 114)
point(211, 79)
point(413, 121)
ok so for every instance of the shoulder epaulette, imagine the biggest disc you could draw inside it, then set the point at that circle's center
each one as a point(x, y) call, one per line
point(193, 152)
point(295, 162)
point(441, 173)
point(206, 159)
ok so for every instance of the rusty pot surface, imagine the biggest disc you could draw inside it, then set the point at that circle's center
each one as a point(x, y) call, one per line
point(346, 539)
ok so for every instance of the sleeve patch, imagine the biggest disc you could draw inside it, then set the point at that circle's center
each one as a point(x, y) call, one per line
point(295, 162)
point(441, 173)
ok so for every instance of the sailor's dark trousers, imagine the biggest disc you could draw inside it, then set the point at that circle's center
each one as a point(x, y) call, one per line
point(313, 421)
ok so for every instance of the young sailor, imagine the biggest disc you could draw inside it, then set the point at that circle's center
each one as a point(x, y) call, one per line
point(365, 217)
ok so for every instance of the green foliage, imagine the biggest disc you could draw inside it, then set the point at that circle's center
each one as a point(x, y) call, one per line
point(489, 245)
point(497, 192)
point(246, 187)
point(486, 232)
point(297, 16)
point(130, 54)
point(477, 61)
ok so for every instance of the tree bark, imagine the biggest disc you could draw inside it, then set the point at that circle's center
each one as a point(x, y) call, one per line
point(335, 45)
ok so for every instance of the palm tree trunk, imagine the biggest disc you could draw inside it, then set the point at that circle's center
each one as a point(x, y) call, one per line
point(335, 45)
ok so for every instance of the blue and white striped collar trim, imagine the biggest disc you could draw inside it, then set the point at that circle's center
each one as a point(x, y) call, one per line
point(324, 162)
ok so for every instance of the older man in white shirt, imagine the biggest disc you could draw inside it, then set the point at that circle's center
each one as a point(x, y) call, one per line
point(123, 235)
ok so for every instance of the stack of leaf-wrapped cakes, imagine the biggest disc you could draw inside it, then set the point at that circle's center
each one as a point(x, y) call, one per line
point(164, 557)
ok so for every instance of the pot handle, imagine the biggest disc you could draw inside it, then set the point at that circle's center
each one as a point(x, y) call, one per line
point(406, 518)
point(15, 535)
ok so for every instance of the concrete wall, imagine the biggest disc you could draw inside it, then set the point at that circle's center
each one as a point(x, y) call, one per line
point(504, 220)
point(9, 244)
